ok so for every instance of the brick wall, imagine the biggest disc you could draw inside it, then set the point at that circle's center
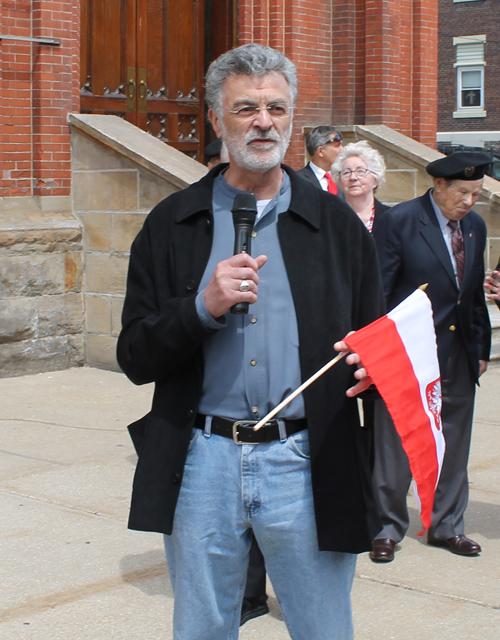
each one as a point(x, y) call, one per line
point(377, 64)
point(38, 88)
point(359, 61)
point(299, 28)
point(468, 19)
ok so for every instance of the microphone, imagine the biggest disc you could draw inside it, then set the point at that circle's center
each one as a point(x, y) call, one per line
point(244, 213)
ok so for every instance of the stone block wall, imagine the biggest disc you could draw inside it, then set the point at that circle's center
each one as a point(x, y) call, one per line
point(119, 173)
point(41, 298)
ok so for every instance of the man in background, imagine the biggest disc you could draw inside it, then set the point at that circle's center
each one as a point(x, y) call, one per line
point(323, 143)
point(437, 239)
point(215, 153)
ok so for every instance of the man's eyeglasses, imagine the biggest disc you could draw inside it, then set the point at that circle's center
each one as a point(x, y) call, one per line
point(360, 172)
point(250, 113)
point(337, 138)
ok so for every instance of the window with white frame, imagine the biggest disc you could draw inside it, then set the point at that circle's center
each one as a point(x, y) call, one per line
point(470, 88)
point(470, 65)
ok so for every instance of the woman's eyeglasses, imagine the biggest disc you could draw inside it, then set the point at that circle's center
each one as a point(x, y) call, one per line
point(359, 172)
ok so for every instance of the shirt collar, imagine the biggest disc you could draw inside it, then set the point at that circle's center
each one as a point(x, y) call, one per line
point(318, 171)
point(281, 200)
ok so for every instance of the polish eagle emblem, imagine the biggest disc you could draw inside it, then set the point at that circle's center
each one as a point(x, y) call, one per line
point(434, 401)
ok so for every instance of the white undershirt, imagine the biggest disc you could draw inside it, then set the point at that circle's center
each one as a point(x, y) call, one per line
point(261, 205)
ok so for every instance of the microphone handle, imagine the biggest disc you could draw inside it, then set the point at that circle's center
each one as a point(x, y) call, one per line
point(242, 244)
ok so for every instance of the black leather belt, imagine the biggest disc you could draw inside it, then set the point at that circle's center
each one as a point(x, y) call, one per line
point(241, 431)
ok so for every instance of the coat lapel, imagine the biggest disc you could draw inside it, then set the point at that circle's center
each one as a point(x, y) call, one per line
point(431, 232)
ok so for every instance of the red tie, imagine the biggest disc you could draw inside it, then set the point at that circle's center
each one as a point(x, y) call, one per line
point(332, 187)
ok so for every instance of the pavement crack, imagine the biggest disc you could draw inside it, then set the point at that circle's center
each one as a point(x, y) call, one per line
point(62, 426)
point(40, 604)
point(25, 457)
point(429, 592)
point(90, 512)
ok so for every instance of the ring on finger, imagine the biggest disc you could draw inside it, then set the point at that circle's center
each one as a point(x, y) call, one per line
point(244, 285)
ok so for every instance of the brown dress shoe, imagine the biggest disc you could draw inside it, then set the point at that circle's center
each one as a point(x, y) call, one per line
point(383, 550)
point(461, 545)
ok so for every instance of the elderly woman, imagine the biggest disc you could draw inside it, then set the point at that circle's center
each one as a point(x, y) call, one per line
point(361, 171)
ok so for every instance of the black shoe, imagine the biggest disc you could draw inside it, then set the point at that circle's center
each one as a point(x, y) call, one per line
point(461, 545)
point(253, 608)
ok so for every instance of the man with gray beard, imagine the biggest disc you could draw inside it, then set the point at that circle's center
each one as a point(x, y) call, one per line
point(204, 477)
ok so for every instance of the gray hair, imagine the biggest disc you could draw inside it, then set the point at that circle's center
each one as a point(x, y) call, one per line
point(318, 137)
point(374, 160)
point(248, 60)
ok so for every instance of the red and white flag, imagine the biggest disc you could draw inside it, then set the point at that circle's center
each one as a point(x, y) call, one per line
point(399, 352)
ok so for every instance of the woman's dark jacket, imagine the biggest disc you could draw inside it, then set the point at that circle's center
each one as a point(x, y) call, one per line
point(332, 268)
point(380, 208)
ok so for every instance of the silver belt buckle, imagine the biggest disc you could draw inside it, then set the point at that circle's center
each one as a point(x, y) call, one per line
point(236, 433)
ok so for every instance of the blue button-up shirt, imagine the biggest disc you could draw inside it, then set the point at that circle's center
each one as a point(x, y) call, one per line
point(252, 360)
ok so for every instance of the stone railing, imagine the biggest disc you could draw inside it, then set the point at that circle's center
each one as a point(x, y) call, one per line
point(119, 174)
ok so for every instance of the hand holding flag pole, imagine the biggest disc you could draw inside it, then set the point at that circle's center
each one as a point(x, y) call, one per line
point(399, 353)
point(299, 390)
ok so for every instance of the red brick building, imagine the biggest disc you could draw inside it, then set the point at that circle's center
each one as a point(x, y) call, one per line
point(38, 87)
point(359, 62)
point(469, 73)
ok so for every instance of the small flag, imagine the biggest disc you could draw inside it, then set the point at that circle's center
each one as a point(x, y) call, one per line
point(399, 352)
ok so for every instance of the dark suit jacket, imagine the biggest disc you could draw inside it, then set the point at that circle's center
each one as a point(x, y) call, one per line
point(308, 174)
point(332, 269)
point(412, 251)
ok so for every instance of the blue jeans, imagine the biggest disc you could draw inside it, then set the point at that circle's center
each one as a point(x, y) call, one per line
point(228, 489)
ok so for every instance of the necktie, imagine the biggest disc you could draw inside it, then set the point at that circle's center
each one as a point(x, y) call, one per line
point(457, 246)
point(332, 187)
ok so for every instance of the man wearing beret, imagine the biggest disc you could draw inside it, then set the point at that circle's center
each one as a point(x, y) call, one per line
point(215, 153)
point(437, 239)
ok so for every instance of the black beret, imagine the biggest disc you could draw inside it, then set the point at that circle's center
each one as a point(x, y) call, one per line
point(462, 165)
point(213, 149)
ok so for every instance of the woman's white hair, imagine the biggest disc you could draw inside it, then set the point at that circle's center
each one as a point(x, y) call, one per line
point(374, 160)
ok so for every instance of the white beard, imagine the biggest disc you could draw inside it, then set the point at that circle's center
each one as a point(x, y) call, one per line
point(251, 158)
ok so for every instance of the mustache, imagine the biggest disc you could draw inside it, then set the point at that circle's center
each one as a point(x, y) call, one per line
point(260, 134)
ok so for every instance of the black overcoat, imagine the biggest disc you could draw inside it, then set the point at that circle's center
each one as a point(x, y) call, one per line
point(412, 252)
point(336, 286)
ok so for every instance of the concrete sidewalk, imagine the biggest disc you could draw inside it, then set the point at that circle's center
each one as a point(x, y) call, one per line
point(70, 569)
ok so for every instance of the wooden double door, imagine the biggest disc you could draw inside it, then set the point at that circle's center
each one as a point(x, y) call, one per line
point(144, 60)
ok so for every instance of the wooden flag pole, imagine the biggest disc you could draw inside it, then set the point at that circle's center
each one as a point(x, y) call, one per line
point(299, 390)
point(305, 384)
